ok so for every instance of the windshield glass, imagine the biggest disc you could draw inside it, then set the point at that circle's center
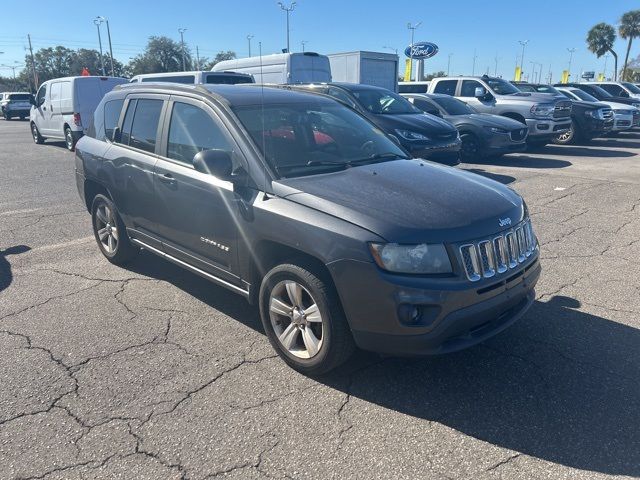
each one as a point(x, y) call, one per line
point(631, 87)
point(583, 95)
point(526, 88)
point(383, 102)
point(600, 91)
point(228, 79)
point(309, 138)
point(453, 106)
point(501, 87)
point(19, 96)
point(546, 89)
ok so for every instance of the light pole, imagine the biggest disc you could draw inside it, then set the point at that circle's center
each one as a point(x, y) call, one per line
point(249, 37)
point(496, 59)
point(110, 48)
point(303, 43)
point(413, 31)
point(288, 9)
point(97, 22)
point(570, 50)
point(449, 63)
point(524, 44)
point(181, 31)
point(475, 56)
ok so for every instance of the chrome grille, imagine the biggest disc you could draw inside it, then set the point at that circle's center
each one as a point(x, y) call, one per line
point(485, 258)
point(562, 109)
point(607, 113)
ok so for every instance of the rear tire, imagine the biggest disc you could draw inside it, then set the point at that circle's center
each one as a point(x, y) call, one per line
point(7, 116)
point(69, 139)
point(304, 320)
point(471, 149)
point(110, 232)
point(35, 133)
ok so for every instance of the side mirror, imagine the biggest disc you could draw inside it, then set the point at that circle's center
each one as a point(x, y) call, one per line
point(480, 92)
point(32, 100)
point(214, 162)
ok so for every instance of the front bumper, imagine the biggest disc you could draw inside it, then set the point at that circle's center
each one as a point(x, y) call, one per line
point(457, 314)
point(16, 111)
point(447, 153)
point(594, 127)
point(622, 122)
point(502, 143)
point(540, 129)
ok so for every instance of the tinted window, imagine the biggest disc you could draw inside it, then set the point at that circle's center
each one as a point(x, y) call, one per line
point(596, 91)
point(501, 87)
point(413, 87)
point(340, 95)
point(630, 86)
point(19, 97)
point(525, 88)
point(128, 121)
point(453, 106)
point(468, 88)
point(192, 130)
point(426, 106)
point(188, 79)
point(583, 95)
point(614, 90)
point(448, 87)
point(145, 124)
point(41, 94)
point(228, 79)
point(111, 116)
point(383, 102)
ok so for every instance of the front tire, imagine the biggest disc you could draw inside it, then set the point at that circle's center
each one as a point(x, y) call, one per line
point(110, 232)
point(35, 133)
point(568, 138)
point(69, 139)
point(471, 149)
point(304, 320)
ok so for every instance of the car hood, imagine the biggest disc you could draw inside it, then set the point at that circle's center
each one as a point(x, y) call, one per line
point(485, 120)
point(419, 122)
point(409, 201)
point(534, 97)
point(618, 106)
point(585, 104)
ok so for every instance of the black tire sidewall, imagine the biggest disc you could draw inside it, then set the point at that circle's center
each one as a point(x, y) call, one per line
point(124, 251)
point(69, 133)
point(469, 138)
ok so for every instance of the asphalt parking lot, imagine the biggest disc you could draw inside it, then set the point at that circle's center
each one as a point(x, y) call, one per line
point(152, 372)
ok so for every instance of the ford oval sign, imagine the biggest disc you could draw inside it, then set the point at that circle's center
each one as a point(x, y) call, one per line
point(421, 50)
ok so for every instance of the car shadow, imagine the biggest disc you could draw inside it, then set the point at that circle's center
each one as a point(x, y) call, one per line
point(614, 142)
point(561, 385)
point(505, 179)
point(522, 161)
point(6, 276)
point(579, 151)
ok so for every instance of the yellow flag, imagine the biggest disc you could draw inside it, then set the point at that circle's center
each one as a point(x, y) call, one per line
point(565, 76)
point(601, 77)
point(518, 75)
point(407, 70)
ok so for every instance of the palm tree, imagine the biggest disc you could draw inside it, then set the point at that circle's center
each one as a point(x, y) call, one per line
point(629, 28)
point(600, 40)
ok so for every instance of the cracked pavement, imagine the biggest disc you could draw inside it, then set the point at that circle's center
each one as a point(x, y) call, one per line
point(152, 372)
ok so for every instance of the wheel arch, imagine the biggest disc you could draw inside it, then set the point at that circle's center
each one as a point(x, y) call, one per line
point(515, 116)
point(93, 188)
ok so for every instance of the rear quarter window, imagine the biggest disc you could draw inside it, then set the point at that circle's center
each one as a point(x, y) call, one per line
point(106, 119)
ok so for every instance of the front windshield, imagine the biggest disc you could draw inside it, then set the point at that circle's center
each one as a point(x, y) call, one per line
point(501, 87)
point(453, 106)
point(383, 102)
point(308, 138)
point(631, 87)
point(583, 95)
point(526, 88)
point(546, 89)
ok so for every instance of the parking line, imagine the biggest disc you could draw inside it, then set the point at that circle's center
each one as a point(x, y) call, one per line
point(56, 246)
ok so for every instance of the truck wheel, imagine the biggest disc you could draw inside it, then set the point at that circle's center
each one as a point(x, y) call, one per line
point(110, 232)
point(37, 138)
point(303, 320)
point(69, 139)
point(567, 138)
point(470, 149)
point(7, 116)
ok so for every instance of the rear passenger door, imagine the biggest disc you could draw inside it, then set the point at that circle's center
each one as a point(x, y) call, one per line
point(198, 214)
point(132, 159)
point(614, 90)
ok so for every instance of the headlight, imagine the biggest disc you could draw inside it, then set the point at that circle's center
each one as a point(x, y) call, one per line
point(543, 109)
point(423, 258)
point(594, 114)
point(496, 130)
point(409, 135)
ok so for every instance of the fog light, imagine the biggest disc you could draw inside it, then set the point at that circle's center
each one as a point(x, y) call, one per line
point(409, 314)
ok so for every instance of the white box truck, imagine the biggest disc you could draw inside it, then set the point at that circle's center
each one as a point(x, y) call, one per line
point(281, 68)
point(369, 68)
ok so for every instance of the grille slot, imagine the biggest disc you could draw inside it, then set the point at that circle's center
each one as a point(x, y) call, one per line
point(486, 258)
point(519, 134)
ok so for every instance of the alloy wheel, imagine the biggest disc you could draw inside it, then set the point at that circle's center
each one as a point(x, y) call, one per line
point(296, 319)
point(106, 228)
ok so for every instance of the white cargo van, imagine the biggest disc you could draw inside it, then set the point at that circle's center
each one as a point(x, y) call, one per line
point(195, 77)
point(281, 68)
point(63, 107)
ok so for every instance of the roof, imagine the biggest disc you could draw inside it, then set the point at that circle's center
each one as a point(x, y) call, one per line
point(231, 95)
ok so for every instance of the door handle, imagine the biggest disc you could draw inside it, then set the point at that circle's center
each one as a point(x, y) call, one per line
point(166, 178)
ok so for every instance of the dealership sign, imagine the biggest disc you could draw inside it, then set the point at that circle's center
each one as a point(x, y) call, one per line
point(421, 50)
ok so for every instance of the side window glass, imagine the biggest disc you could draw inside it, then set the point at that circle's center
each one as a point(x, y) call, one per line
point(111, 115)
point(192, 130)
point(425, 106)
point(128, 121)
point(145, 124)
point(468, 88)
point(448, 87)
point(340, 95)
point(41, 94)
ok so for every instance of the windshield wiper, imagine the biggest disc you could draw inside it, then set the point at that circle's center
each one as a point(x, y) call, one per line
point(378, 157)
point(312, 163)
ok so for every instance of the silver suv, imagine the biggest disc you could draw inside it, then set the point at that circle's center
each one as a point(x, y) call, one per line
point(545, 116)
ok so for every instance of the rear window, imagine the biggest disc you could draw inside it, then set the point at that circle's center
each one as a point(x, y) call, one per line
point(111, 115)
point(413, 88)
point(140, 125)
point(448, 87)
point(217, 78)
point(188, 79)
point(19, 96)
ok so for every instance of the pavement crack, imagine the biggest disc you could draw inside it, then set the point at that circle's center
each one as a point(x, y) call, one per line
point(503, 462)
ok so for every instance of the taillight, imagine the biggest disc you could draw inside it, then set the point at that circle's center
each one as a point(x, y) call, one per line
point(77, 120)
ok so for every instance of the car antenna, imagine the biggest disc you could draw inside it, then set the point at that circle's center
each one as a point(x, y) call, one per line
point(264, 143)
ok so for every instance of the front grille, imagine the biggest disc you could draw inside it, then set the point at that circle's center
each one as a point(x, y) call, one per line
point(488, 257)
point(562, 110)
point(623, 123)
point(607, 113)
point(519, 134)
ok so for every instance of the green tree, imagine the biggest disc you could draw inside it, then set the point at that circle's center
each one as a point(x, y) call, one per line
point(600, 40)
point(161, 54)
point(220, 57)
point(629, 29)
point(431, 76)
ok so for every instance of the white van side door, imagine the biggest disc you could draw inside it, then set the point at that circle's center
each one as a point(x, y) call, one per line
point(40, 109)
point(53, 113)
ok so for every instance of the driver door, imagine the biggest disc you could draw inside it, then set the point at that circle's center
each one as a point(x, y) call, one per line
point(468, 95)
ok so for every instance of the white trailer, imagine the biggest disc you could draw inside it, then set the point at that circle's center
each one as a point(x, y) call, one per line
point(369, 68)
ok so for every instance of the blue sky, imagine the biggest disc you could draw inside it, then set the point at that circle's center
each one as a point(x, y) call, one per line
point(490, 28)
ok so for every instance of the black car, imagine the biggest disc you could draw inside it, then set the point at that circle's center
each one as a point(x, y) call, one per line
point(604, 96)
point(588, 119)
point(422, 135)
point(311, 213)
point(482, 134)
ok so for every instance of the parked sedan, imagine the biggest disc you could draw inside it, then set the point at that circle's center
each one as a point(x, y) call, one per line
point(421, 135)
point(623, 115)
point(588, 119)
point(482, 134)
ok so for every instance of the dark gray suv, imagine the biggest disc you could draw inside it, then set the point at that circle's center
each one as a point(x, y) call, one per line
point(309, 211)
